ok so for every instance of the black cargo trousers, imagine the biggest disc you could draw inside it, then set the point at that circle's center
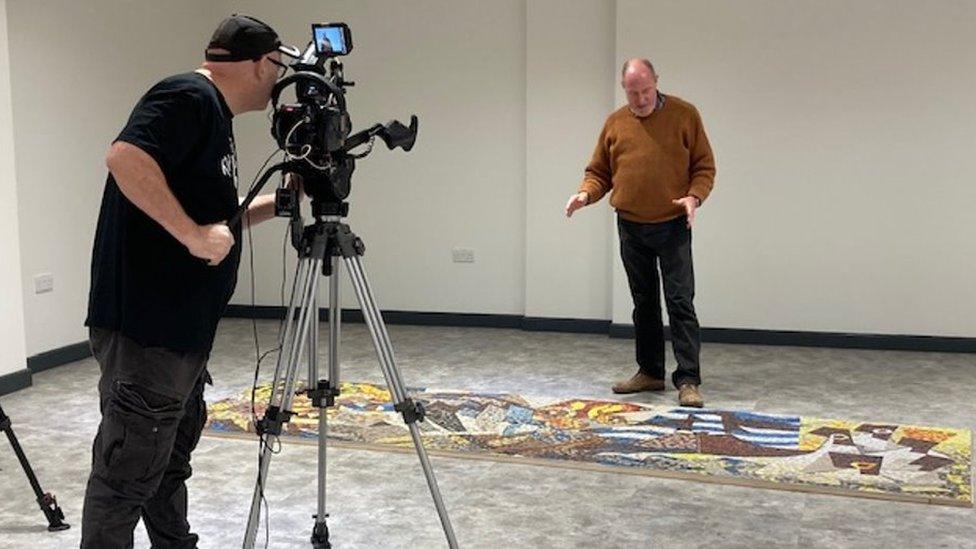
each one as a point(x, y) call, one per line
point(152, 414)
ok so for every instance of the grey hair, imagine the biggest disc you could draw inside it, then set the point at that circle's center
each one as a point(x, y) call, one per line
point(646, 62)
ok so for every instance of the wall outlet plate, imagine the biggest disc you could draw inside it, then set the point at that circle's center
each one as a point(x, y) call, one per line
point(43, 283)
point(463, 255)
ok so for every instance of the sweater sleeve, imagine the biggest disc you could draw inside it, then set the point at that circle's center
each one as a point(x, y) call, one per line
point(702, 165)
point(598, 179)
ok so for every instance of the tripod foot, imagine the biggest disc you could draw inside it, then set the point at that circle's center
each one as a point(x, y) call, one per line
point(320, 536)
point(54, 514)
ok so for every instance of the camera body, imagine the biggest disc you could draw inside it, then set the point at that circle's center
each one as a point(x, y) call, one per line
point(312, 131)
point(315, 131)
point(310, 126)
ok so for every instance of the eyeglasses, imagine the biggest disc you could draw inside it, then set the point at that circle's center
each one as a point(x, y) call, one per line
point(282, 68)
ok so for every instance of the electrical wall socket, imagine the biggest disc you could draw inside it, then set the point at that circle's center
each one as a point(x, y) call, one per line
point(463, 255)
point(43, 283)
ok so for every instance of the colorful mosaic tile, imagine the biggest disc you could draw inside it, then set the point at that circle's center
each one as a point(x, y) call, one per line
point(881, 460)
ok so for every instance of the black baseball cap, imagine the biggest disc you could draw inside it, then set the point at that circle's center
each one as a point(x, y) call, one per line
point(245, 38)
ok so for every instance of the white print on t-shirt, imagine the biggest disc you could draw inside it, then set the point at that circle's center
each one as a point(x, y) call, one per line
point(228, 164)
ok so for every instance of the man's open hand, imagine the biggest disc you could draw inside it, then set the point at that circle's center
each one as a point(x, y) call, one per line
point(576, 202)
point(690, 204)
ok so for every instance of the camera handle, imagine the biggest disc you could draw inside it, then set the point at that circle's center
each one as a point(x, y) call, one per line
point(393, 133)
point(242, 209)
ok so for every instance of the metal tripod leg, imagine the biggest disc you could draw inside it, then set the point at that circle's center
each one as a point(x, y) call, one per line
point(293, 346)
point(47, 502)
point(320, 531)
point(301, 333)
point(411, 411)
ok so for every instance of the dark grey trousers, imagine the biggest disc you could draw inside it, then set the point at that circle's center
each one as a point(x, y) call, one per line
point(152, 415)
point(644, 247)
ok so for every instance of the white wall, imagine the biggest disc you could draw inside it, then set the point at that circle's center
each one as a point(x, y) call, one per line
point(13, 357)
point(70, 99)
point(569, 83)
point(843, 133)
point(460, 66)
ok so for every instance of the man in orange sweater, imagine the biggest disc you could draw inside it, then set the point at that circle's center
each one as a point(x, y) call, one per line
point(654, 155)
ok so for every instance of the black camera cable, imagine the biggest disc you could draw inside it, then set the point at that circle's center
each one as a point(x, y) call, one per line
point(259, 356)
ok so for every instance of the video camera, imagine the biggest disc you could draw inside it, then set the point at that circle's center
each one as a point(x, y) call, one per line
point(315, 131)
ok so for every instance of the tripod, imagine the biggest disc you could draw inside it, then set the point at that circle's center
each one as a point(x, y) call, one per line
point(321, 247)
point(47, 501)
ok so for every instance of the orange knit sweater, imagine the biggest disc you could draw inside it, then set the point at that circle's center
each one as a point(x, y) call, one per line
point(648, 162)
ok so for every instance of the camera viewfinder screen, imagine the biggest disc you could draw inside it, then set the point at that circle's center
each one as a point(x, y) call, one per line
point(330, 40)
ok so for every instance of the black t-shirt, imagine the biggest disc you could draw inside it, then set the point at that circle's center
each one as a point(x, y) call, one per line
point(144, 283)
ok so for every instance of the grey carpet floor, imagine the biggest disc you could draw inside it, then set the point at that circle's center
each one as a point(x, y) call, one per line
point(379, 499)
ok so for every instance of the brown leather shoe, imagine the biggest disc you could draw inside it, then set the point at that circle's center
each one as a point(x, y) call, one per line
point(640, 382)
point(688, 395)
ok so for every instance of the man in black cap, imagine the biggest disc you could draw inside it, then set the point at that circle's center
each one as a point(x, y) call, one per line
point(164, 266)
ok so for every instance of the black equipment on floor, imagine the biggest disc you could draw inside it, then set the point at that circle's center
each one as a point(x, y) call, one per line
point(47, 501)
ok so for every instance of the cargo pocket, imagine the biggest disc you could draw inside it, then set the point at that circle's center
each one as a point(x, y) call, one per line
point(139, 433)
point(193, 422)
